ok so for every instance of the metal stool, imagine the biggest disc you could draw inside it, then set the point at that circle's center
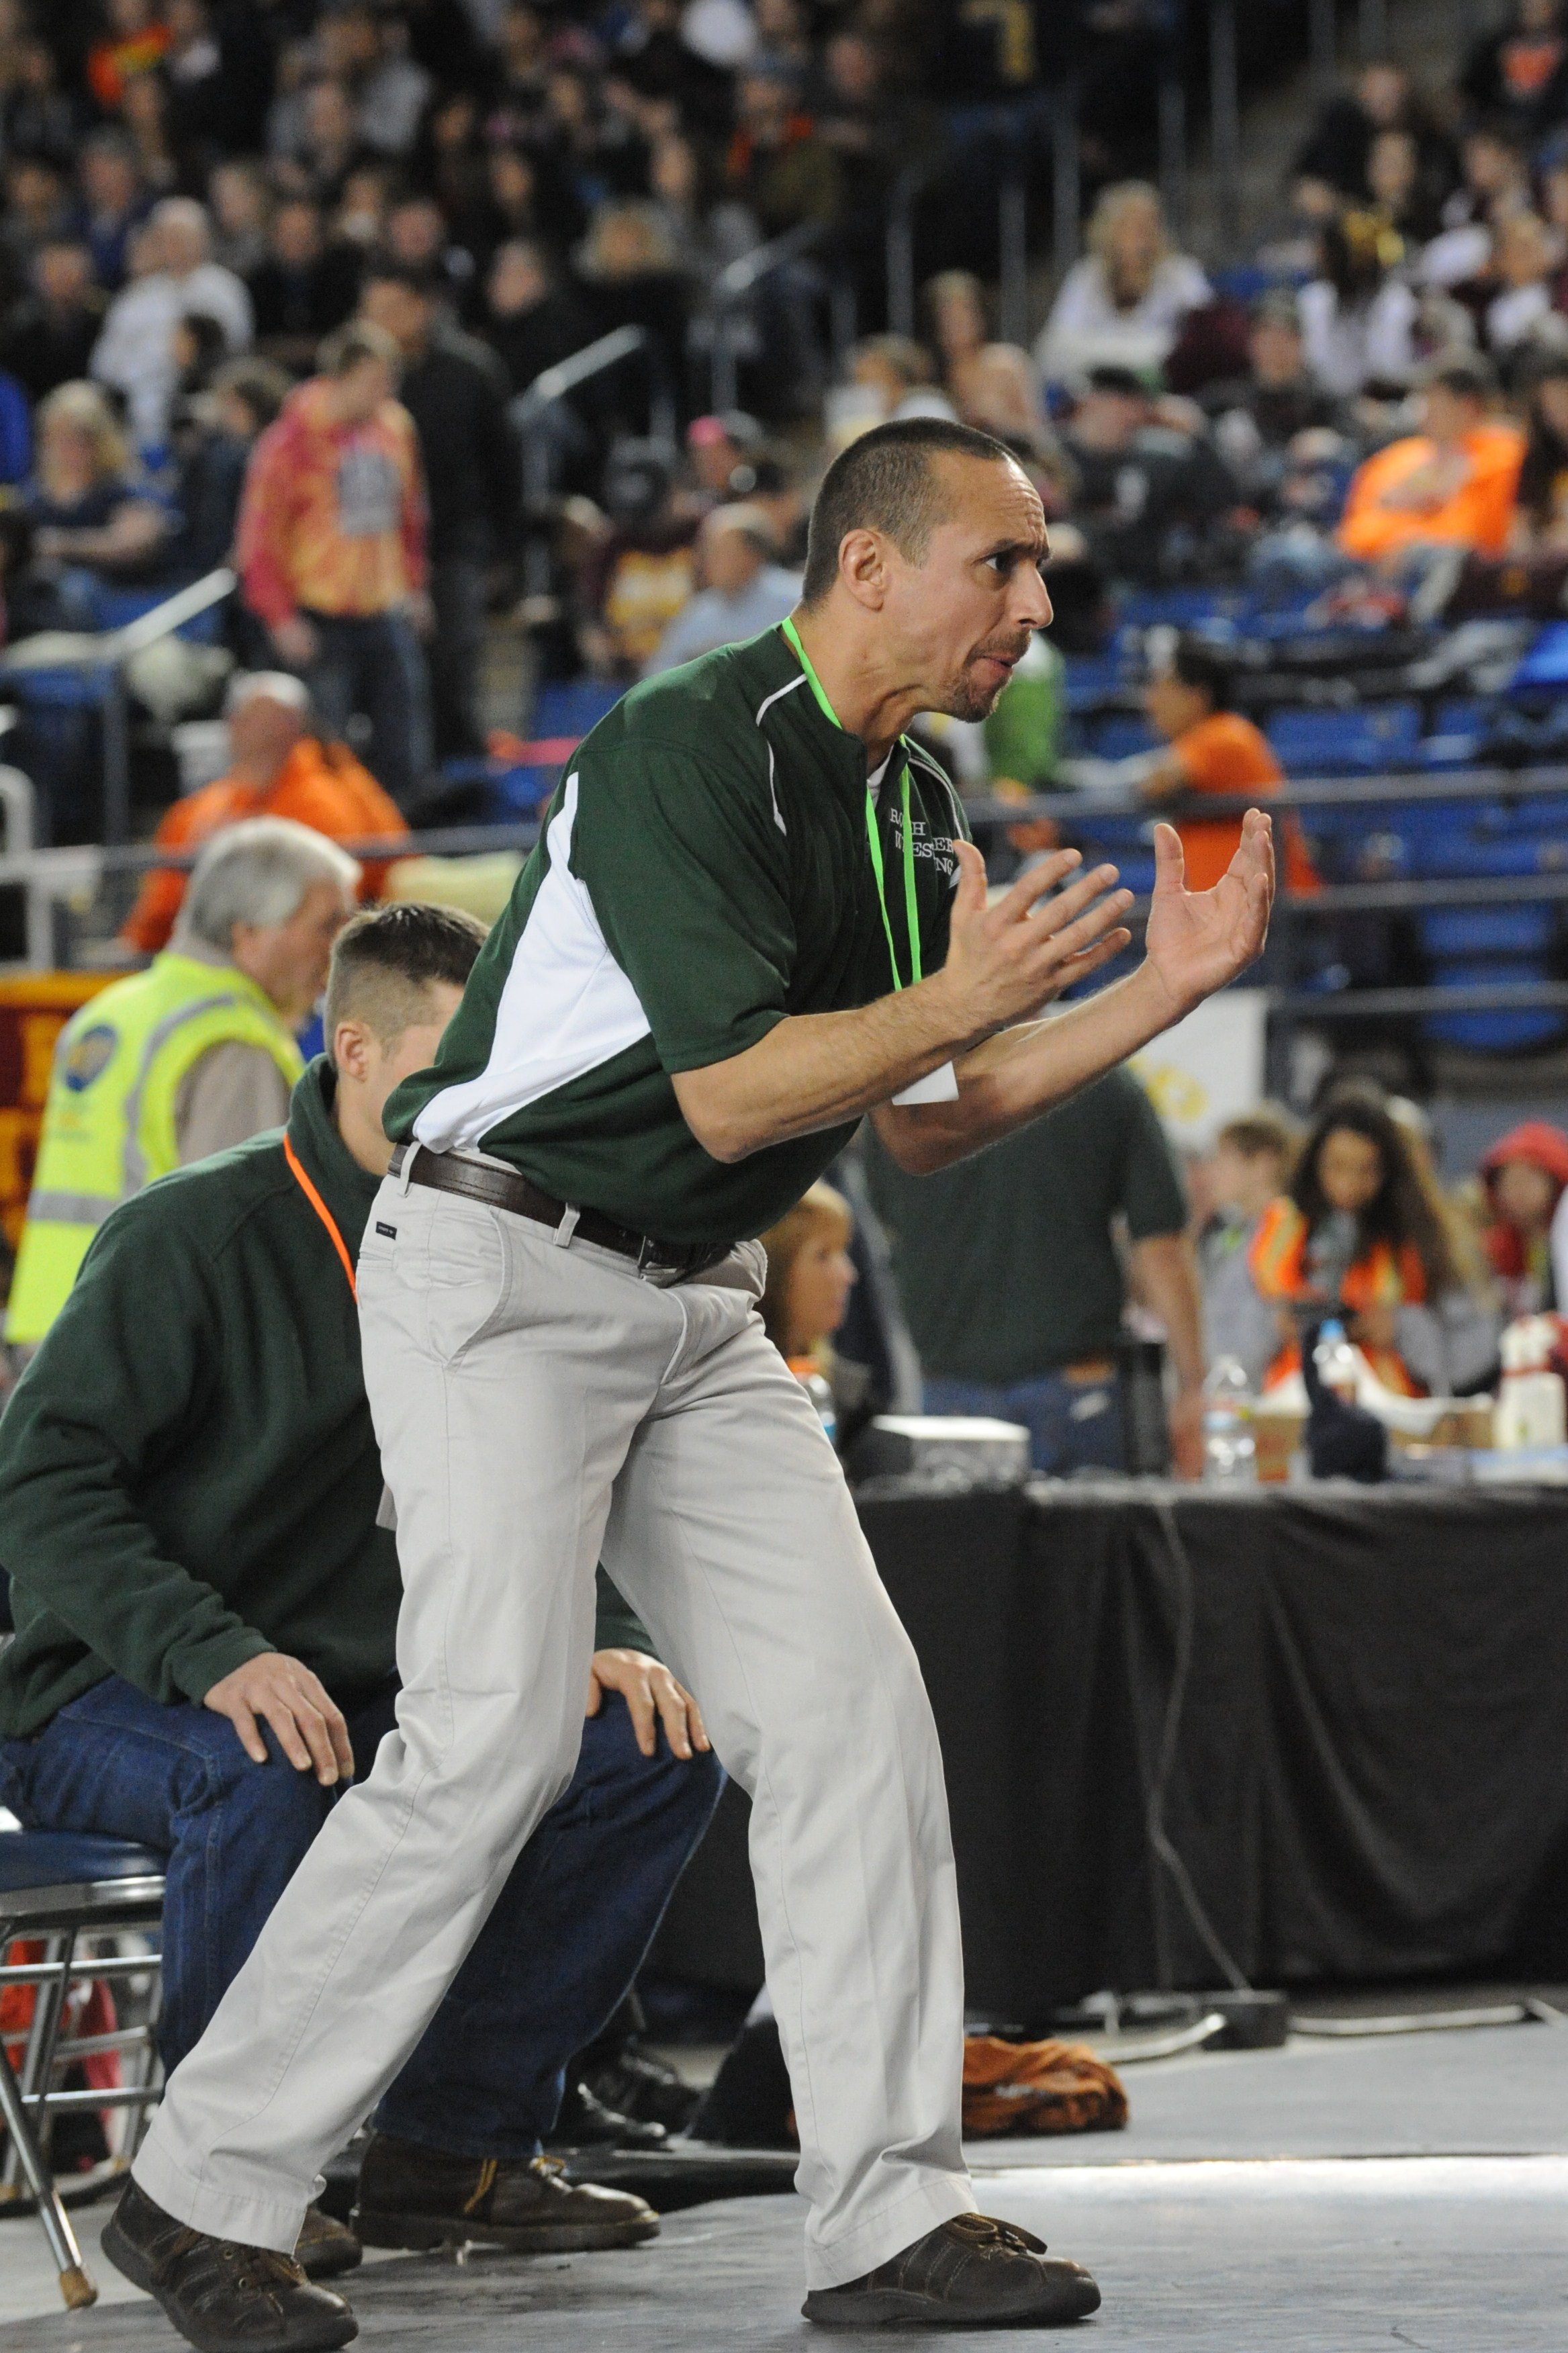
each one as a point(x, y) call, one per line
point(59, 1887)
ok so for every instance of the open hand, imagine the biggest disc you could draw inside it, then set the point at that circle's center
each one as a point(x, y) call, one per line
point(1198, 940)
point(1007, 961)
point(283, 1692)
point(652, 1696)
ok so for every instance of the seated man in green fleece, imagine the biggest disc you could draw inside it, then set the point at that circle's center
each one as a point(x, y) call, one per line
point(206, 1606)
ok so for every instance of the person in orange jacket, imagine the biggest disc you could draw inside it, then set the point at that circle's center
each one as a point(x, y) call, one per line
point(1209, 748)
point(277, 768)
point(1453, 485)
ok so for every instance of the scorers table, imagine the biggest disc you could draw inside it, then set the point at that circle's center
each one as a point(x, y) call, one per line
point(1347, 1707)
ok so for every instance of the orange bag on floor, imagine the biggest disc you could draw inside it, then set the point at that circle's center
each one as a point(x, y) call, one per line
point(1039, 2087)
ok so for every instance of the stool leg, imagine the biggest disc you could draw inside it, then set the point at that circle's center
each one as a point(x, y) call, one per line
point(76, 2282)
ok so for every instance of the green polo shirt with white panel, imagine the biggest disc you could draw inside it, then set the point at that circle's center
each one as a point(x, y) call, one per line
point(708, 865)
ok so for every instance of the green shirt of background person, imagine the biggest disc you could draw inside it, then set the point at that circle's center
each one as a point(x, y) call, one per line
point(1013, 1269)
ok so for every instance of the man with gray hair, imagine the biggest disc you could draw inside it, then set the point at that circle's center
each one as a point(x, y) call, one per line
point(192, 1055)
point(135, 352)
point(278, 764)
point(744, 588)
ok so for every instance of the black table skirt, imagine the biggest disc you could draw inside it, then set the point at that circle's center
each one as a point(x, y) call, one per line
point(1368, 1777)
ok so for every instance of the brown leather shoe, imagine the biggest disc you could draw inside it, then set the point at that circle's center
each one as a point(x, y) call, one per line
point(324, 2249)
point(970, 2273)
point(221, 2297)
point(413, 2197)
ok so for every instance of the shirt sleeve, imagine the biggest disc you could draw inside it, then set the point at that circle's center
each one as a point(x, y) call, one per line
point(231, 1093)
point(1152, 1193)
point(95, 1412)
point(691, 895)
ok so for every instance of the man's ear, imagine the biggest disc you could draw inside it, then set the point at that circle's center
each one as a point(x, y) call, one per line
point(864, 567)
point(352, 1050)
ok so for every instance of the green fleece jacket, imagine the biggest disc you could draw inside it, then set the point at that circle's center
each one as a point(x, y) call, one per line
point(188, 1473)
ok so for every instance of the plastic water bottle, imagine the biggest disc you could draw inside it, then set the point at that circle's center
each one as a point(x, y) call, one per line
point(1336, 1361)
point(1230, 1452)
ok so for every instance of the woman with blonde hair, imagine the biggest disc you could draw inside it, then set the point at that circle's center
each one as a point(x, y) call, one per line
point(992, 385)
point(810, 1277)
point(1124, 304)
point(91, 512)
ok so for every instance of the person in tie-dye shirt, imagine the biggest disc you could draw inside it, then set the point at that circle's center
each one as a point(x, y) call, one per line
point(331, 551)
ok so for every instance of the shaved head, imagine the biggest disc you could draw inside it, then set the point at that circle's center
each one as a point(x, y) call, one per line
point(891, 481)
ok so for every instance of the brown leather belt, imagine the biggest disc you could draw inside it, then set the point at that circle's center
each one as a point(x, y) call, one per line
point(508, 1188)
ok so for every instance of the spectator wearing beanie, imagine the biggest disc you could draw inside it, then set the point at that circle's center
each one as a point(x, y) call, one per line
point(1524, 1175)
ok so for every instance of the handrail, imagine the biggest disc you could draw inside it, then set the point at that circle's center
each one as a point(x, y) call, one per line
point(525, 410)
point(747, 269)
point(729, 288)
point(1414, 787)
point(108, 651)
point(553, 383)
point(111, 647)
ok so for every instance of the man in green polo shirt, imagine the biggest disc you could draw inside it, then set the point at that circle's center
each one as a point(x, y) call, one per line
point(752, 920)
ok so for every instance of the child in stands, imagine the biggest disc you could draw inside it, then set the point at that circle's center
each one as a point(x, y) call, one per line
point(1524, 1174)
point(1361, 1230)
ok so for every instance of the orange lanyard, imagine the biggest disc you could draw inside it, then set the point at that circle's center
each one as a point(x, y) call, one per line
point(325, 1215)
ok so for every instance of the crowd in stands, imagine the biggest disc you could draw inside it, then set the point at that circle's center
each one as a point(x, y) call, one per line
point(198, 199)
point(270, 279)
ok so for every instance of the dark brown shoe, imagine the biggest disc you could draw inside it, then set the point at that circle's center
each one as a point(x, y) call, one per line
point(970, 2273)
point(325, 2249)
point(412, 2197)
point(221, 2297)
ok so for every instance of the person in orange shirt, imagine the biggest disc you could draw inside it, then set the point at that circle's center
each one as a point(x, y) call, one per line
point(330, 550)
point(1453, 485)
point(277, 768)
point(1362, 1232)
point(1210, 748)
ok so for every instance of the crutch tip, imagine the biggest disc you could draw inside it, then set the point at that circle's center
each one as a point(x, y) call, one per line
point(77, 2287)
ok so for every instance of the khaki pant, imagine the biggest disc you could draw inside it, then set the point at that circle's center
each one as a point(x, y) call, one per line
point(539, 1408)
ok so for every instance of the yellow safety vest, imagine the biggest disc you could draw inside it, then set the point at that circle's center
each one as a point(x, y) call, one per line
point(108, 1122)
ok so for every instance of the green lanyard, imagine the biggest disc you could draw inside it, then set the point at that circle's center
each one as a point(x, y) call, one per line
point(911, 913)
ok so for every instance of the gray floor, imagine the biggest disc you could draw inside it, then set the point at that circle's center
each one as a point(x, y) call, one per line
point(1325, 2198)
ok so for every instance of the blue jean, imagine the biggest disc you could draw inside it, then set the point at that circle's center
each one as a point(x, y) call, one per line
point(551, 1964)
point(373, 664)
point(1073, 1425)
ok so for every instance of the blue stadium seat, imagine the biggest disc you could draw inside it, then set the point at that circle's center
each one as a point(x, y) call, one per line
point(1525, 929)
point(571, 706)
point(1545, 664)
point(1119, 736)
point(1436, 855)
point(1091, 678)
point(1182, 608)
point(1323, 742)
point(1506, 1030)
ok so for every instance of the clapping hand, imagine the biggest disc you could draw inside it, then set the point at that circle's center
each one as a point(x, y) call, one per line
point(1198, 940)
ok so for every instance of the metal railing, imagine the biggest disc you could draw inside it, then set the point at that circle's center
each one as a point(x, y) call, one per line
point(104, 654)
point(56, 883)
point(1292, 1005)
point(736, 284)
point(539, 448)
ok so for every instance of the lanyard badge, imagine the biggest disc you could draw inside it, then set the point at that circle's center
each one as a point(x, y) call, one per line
point(873, 836)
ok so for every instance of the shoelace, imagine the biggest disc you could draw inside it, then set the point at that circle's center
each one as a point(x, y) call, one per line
point(258, 2267)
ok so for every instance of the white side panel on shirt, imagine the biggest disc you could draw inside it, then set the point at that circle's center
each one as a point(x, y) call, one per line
point(566, 1008)
point(937, 1086)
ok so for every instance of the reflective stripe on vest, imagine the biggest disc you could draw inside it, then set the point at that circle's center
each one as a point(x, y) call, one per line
point(71, 1208)
point(110, 1126)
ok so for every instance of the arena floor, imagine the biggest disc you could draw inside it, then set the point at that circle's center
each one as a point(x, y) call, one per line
point(1325, 2198)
